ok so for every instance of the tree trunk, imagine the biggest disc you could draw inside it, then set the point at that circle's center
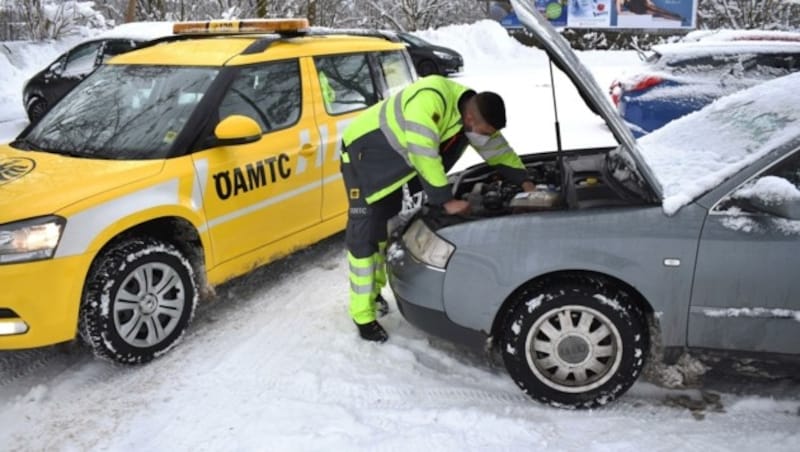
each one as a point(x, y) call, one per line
point(130, 11)
point(261, 8)
point(312, 12)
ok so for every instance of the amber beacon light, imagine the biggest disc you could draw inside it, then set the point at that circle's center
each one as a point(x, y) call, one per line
point(241, 26)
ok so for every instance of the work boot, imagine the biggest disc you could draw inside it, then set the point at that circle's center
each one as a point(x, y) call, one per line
point(381, 306)
point(372, 331)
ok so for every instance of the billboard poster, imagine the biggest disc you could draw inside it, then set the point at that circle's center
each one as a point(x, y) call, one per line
point(554, 10)
point(652, 14)
point(606, 14)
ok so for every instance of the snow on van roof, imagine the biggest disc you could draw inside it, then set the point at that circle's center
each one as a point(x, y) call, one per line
point(140, 31)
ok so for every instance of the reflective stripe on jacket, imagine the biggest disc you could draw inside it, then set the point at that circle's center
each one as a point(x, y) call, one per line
point(411, 127)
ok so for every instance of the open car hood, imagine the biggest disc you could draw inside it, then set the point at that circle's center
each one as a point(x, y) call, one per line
point(567, 61)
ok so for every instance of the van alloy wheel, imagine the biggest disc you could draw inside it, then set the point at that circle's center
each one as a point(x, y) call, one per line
point(139, 299)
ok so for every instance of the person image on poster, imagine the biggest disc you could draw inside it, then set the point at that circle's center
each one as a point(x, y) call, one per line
point(646, 7)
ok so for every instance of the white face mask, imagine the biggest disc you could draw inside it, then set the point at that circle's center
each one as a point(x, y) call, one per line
point(476, 139)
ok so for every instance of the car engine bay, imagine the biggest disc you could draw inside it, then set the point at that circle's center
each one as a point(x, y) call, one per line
point(587, 183)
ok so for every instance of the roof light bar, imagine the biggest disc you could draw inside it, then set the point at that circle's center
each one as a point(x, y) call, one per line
point(241, 26)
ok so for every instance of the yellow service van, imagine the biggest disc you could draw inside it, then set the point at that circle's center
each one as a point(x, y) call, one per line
point(174, 168)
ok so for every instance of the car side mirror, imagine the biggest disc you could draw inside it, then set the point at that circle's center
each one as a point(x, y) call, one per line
point(787, 208)
point(55, 68)
point(237, 129)
point(772, 195)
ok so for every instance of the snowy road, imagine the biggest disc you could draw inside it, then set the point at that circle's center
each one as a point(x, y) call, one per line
point(274, 364)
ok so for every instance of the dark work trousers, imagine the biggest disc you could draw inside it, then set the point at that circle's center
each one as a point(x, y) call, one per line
point(366, 237)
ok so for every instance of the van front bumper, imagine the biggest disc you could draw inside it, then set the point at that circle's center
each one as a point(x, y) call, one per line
point(39, 302)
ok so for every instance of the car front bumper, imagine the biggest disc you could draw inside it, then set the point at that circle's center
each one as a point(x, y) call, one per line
point(451, 66)
point(39, 302)
point(418, 291)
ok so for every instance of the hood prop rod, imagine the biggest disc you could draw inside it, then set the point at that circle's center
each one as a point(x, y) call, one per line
point(559, 150)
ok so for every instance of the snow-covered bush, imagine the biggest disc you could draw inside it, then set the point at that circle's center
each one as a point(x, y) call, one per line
point(47, 19)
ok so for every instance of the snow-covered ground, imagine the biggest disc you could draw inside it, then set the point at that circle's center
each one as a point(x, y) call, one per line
point(275, 363)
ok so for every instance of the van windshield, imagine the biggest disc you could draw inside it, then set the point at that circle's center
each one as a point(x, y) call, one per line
point(123, 112)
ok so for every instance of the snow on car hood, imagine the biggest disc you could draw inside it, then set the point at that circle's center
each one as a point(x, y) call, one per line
point(695, 153)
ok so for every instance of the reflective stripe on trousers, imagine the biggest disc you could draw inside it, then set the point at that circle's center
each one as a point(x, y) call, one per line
point(363, 282)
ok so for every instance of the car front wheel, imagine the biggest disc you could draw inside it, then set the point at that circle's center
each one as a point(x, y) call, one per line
point(37, 109)
point(138, 300)
point(427, 67)
point(575, 343)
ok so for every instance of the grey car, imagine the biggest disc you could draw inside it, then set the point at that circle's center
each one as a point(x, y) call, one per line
point(620, 258)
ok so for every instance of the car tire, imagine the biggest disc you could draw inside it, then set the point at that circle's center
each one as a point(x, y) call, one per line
point(575, 342)
point(139, 299)
point(37, 108)
point(427, 67)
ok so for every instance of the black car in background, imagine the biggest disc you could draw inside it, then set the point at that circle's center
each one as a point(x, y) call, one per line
point(429, 58)
point(51, 83)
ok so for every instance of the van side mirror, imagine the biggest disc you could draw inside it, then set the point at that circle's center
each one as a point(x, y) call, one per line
point(236, 130)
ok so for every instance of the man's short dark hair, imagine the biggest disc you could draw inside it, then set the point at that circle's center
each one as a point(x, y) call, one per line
point(492, 108)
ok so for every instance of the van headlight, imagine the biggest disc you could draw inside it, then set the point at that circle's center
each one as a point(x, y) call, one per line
point(426, 246)
point(30, 240)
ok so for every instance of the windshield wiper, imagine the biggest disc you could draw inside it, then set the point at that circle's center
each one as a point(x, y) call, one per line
point(23, 144)
point(75, 154)
point(27, 145)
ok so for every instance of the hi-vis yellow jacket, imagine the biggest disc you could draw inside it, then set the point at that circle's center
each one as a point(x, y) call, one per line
point(418, 131)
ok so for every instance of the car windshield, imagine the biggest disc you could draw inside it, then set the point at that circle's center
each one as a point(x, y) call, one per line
point(123, 112)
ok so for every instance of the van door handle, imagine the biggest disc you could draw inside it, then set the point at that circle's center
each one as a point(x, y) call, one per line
point(308, 150)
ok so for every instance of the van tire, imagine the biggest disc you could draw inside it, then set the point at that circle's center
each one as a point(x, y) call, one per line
point(139, 298)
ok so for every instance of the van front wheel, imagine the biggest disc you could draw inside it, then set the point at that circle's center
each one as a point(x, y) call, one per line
point(139, 299)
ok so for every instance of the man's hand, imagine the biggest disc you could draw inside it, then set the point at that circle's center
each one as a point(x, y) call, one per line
point(528, 186)
point(456, 207)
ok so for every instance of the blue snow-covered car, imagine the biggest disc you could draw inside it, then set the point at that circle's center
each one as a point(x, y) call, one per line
point(677, 79)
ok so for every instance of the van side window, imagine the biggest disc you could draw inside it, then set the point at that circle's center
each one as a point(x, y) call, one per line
point(349, 84)
point(268, 93)
point(395, 71)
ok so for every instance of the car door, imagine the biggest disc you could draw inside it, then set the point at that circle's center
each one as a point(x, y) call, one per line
point(261, 192)
point(746, 293)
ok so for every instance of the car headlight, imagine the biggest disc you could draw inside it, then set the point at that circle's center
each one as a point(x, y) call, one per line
point(426, 246)
point(30, 240)
point(443, 55)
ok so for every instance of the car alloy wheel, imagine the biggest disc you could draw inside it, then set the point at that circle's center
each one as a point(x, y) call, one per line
point(139, 299)
point(574, 342)
point(573, 348)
